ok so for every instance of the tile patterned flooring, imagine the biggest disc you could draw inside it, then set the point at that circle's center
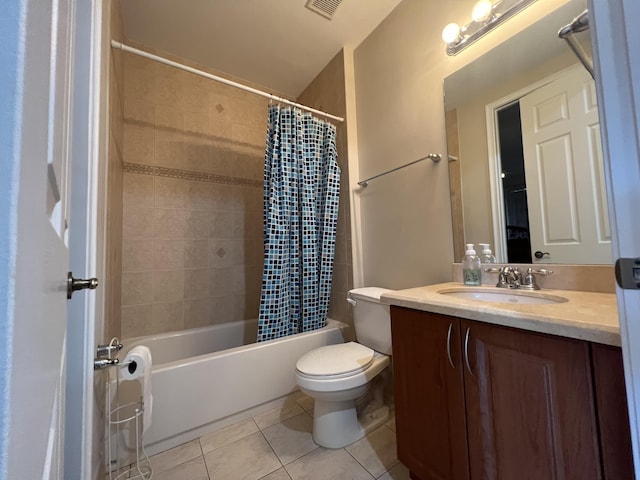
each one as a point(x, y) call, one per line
point(277, 445)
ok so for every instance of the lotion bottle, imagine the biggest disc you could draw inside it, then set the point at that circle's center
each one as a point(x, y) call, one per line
point(471, 267)
point(486, 256)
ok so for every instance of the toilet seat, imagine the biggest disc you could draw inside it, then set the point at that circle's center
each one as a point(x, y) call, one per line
point(335, 361)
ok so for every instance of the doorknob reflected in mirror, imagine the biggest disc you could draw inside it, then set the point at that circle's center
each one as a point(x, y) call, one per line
point(540, 254)
point(74, 284)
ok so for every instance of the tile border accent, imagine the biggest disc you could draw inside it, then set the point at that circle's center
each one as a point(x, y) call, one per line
point(189, 175)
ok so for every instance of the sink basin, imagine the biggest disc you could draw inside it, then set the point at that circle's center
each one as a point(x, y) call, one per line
point(514, 297)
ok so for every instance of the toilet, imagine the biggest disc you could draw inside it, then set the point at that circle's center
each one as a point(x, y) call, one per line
point(343, 379)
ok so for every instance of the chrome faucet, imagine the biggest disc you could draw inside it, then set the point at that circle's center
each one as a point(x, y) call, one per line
point(511, 277)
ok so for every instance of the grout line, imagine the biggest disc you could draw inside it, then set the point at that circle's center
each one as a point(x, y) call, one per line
point(206, 467)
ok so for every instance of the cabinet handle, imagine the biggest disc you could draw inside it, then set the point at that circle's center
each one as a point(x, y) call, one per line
point(466, 350)
point(449, 345)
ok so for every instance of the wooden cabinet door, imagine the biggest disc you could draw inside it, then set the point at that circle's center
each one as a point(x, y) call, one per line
point(530, 409)
point(429, 395)
point(613, 419)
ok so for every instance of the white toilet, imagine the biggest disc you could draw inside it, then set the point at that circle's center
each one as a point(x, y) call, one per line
point(337, 376)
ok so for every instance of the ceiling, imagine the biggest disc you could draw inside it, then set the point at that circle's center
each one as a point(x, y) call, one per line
point(279, 44)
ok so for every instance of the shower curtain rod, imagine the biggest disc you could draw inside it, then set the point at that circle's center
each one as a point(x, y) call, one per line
point(246, 88)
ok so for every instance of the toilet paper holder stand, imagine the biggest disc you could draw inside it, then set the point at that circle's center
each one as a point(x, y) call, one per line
point(120, 415)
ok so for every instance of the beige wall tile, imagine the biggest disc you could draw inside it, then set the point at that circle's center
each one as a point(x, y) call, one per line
point(197, 224)
point(222, 308)
point(168, 254)
point(137, 222)
point(169, 192)
point(137, 190)
point(221, 253)
point(168, 223)
point(139, 78)
point(167, 316)
point(195, 99)
point(222, 224)
point(137, 288)
point(169, 89)
point(197, 312)
point(168, 285)
point(196, 283)
point(221, 282)
point(137, 320)
point(137, 255)
point(198, 195)
point(196, 253)
point(169, 137)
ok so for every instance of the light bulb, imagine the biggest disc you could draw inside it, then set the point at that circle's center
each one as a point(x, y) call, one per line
point(451, 32)
point(481, 10)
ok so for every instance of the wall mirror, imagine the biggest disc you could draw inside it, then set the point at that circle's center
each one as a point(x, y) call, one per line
point(525, 158)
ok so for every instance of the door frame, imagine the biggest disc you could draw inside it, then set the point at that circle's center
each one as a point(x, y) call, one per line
point(84, 425)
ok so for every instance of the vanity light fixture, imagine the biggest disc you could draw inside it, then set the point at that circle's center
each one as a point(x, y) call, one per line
point(485, 16)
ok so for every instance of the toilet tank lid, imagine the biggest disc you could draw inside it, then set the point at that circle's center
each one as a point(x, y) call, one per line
point(368, 293)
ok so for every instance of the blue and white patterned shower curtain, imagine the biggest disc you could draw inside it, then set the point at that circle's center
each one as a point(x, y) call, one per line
point(301, 197)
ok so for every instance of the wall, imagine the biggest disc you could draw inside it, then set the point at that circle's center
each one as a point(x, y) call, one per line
point(113, 241)
point(192, 225)
point(399, 69)
point(327, 93)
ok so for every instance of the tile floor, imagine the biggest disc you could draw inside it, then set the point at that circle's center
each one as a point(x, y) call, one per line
point(277, 445)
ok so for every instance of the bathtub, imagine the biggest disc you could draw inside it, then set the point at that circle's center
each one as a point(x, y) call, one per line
point(206, 378)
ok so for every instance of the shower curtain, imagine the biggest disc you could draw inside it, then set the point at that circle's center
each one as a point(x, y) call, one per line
point(301, 196)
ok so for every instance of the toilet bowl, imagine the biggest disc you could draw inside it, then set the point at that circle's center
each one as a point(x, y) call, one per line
point(339, 376)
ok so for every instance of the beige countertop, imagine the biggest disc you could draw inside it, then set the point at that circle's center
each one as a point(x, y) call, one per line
point(586, 315)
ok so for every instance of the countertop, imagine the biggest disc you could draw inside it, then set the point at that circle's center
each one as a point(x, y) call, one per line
point(585, 316)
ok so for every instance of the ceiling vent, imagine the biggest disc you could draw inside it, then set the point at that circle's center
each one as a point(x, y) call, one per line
point(326, 8)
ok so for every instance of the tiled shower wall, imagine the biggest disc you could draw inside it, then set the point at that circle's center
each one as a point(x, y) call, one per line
point(193, 172)
point(192, 226)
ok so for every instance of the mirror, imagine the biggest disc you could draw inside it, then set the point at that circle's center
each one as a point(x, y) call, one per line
point(524, 150)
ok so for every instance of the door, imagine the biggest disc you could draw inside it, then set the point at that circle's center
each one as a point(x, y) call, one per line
point(46, 103)
point(37, 382)
point(530, 409)
point(429, 395)
point(566, 192)
point(617, 59)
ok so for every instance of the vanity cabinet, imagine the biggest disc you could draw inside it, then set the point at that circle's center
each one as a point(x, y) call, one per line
point(480, 401)
point(429, 395)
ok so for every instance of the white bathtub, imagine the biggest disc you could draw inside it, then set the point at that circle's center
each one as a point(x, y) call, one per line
point(205, 378)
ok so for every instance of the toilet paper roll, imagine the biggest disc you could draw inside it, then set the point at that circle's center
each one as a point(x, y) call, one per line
point(137, 367)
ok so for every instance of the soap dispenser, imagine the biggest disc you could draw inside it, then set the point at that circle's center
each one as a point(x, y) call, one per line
point(471, 267)
point(486, 256)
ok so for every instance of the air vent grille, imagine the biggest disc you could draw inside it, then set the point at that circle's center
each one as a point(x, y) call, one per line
point(326, 8)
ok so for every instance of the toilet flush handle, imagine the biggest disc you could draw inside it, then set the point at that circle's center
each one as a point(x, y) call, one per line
point(351, 301)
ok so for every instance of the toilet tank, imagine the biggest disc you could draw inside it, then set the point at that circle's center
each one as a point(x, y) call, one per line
point(371, 318)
